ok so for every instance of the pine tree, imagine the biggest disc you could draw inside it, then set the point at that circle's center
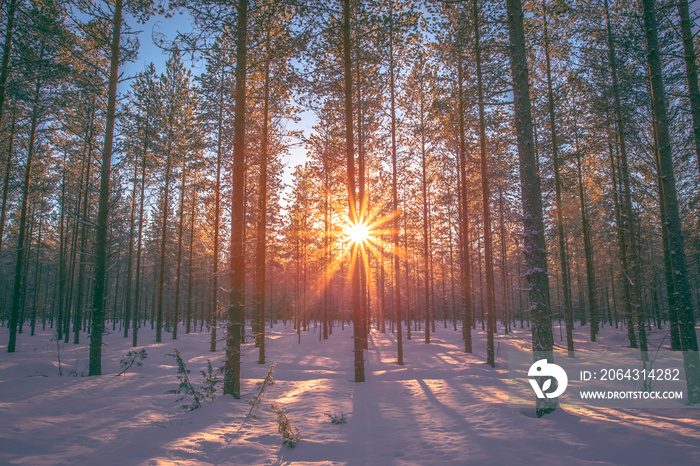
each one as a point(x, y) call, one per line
point(7, 47)
point(141, 10)
point(563, 252)
point(236, 314)
point(691, 72)
point(102, 213)
point(354, 216)
point(394, 193)
point(533, 225)
point(44, 73)
point(669, 198)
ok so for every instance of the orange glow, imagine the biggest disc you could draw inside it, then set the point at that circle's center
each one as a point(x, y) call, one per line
point(362, 239)
point(358, 233)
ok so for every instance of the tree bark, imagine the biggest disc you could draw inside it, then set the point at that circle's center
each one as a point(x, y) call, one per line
point(127, 300)
point(504, 262)
point(691, 72)
point(425, 193)
point(467, 308)
point(6, 182)
point(587, 246)
point(179, 247)
point(163, 238)
point(669, 198)
point(353, 217)
point(19, 263)
point(217, 217)
point(533, 225)
point(190, 278)
point(361, 192)
point(83, 222)
point(5, 67)
point(261, 242)
point(486, 201)
point(628, 246)
point(563, 254)
point(137, 303)
point(103, 209)
point(37, 271)
point(61, 253)
point(395, 197)
point(236, 310)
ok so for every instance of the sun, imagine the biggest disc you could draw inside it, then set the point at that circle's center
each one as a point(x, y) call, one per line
point(358, 233)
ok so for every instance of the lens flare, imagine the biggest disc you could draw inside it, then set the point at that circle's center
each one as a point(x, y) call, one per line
point(358, 233)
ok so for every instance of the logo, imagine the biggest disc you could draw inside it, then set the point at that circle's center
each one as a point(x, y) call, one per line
point(542, 369)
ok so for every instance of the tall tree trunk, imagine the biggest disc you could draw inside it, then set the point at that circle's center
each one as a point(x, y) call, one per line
point(520, 287)
point(236, 310)
point(73, 254)
point(6, 182)
point(362, 194)
point(82, 248)
point(621, 241)
point(691, 72)
point(424, 189)
point(395, 198)
point(327, 244)
point(453, 299)
point(486, 201)
point(37, 269)
point(137, 303)
point(61, 253)
point(563, 254)
point(467, 308)
point(116, 292)
point(533, 224)
point(431, 272)
point(190, 278)
point(260, 253)
point(179, 248)
point(217, 219)
point(25, 272)
point(163, 236)
point(504, 261)
point(669, 197)
point(354, 218)
point(103, 209)
point(127, 300)
point(481, 277)
point(628, 247)
point(668, 270)
point(407, 271)
point(381, 292)
point(152, 311)
point(297, 281)
point(5, 67)
point(19, 263)
point(587, 246)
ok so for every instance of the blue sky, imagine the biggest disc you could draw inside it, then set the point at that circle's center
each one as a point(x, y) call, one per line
point(150, 52)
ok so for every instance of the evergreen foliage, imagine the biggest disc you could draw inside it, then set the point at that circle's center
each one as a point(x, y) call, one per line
point(290, 434)
point(185, 389)
point(211, 380)
point(266, 382)
point(131, 358)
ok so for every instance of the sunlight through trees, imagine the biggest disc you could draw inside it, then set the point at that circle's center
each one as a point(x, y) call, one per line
point(389, 165)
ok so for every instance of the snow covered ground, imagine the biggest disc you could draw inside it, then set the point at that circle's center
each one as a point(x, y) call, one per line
point(441, 407)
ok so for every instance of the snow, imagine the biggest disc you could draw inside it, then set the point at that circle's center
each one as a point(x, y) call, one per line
point(442, 407)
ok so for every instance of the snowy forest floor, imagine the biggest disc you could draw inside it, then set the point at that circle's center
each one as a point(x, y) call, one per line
point(442, 407)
